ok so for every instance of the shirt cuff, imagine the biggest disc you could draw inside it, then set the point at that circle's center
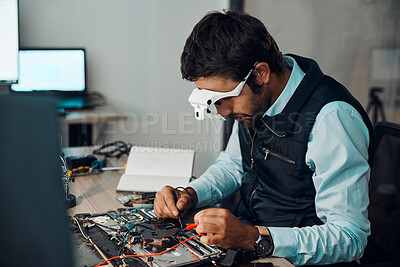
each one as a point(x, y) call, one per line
point(202, 191)
point(285, 242)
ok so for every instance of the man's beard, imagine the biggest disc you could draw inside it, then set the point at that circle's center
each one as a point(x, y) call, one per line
point(258, 108)
point(246, 120)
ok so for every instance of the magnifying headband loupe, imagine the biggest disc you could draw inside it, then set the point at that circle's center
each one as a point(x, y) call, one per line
point(203, 100)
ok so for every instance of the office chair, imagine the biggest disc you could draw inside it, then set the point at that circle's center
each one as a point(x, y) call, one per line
point(384, 209)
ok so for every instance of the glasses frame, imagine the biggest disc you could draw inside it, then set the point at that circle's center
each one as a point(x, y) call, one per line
point(203, 100)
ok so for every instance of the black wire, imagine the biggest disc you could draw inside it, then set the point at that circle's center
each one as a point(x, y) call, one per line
point(123, 242)
point(113, 150)
point(126, 234)
point(184, 189)
point(144, 226)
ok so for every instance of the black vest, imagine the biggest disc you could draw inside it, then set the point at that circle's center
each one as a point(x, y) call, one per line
point(277, 187)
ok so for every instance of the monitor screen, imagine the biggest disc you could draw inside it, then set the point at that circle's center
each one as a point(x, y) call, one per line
point(9, 43)
point(51, 70)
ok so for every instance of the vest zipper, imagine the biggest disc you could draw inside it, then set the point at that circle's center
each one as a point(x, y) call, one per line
point(252, 146)
point(268, 152)
point(252, 196)
point(275, 133)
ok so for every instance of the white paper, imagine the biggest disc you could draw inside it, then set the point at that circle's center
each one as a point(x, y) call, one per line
point(150, 169)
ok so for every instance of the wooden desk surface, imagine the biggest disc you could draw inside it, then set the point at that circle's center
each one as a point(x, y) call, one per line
point(97, 193)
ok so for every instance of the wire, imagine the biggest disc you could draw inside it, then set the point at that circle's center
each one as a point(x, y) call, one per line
point(129, 230)
point(149, 255)
point(113, 150)
point(184, 189)
point(86, 237)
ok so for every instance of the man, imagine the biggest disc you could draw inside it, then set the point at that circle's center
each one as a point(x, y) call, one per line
point(298, 152)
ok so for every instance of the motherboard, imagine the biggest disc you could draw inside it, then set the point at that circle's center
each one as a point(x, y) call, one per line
point(137, 231)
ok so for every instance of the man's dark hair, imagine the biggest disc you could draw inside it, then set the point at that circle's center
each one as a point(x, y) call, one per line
point(228, 44)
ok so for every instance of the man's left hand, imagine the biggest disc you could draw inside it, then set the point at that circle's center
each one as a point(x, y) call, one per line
point(220, 227)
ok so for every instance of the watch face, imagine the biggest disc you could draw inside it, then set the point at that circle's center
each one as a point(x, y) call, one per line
point(264, 246)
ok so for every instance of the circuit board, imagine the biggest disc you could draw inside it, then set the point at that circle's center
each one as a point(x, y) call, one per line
point(138, 231)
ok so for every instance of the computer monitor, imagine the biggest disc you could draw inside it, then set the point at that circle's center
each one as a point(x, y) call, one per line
point(9, 43)
point(32, 203)
point(51, 70)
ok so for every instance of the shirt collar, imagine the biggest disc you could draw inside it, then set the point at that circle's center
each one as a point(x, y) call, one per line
point(294, 80)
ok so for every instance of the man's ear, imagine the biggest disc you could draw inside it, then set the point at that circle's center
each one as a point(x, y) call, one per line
point(262, 73)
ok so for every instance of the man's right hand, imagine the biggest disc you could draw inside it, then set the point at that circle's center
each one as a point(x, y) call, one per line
point(165, 206)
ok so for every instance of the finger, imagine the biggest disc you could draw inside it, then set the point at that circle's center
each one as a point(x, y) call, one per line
point(209, 219)
point(208, 228)
point(170, 203)
point(167, 213)
point(211, 224)
point(162, 211)
point(211, 212)
point(211, 240)
point(198, 215)
point(160, 207)
point(157, 209)
point(182, 203)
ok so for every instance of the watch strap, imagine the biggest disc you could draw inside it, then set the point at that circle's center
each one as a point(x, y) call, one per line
point(263, 230)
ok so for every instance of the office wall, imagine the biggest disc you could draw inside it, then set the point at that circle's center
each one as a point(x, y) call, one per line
point(133, 49)
point(342, 35)
point(133, 58)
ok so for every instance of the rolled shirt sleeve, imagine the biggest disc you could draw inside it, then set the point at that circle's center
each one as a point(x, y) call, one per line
point(338, 155)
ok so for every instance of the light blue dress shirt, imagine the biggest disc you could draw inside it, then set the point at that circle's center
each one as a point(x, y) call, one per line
point(338, 155)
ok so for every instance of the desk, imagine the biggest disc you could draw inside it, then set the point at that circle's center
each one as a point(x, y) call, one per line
point(80, 124)
point(96, 193)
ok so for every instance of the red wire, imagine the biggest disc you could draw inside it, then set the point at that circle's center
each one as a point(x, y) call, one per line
point(149, 255)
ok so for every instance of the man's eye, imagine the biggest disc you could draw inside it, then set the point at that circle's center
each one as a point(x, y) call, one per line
point(223, 99)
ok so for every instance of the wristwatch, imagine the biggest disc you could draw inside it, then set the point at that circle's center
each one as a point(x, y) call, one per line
point(264, 246)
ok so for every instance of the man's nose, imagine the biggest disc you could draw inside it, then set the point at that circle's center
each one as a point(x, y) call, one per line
point(223, 108)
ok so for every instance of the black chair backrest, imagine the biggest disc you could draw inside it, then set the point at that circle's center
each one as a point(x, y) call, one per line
point(384, 208)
